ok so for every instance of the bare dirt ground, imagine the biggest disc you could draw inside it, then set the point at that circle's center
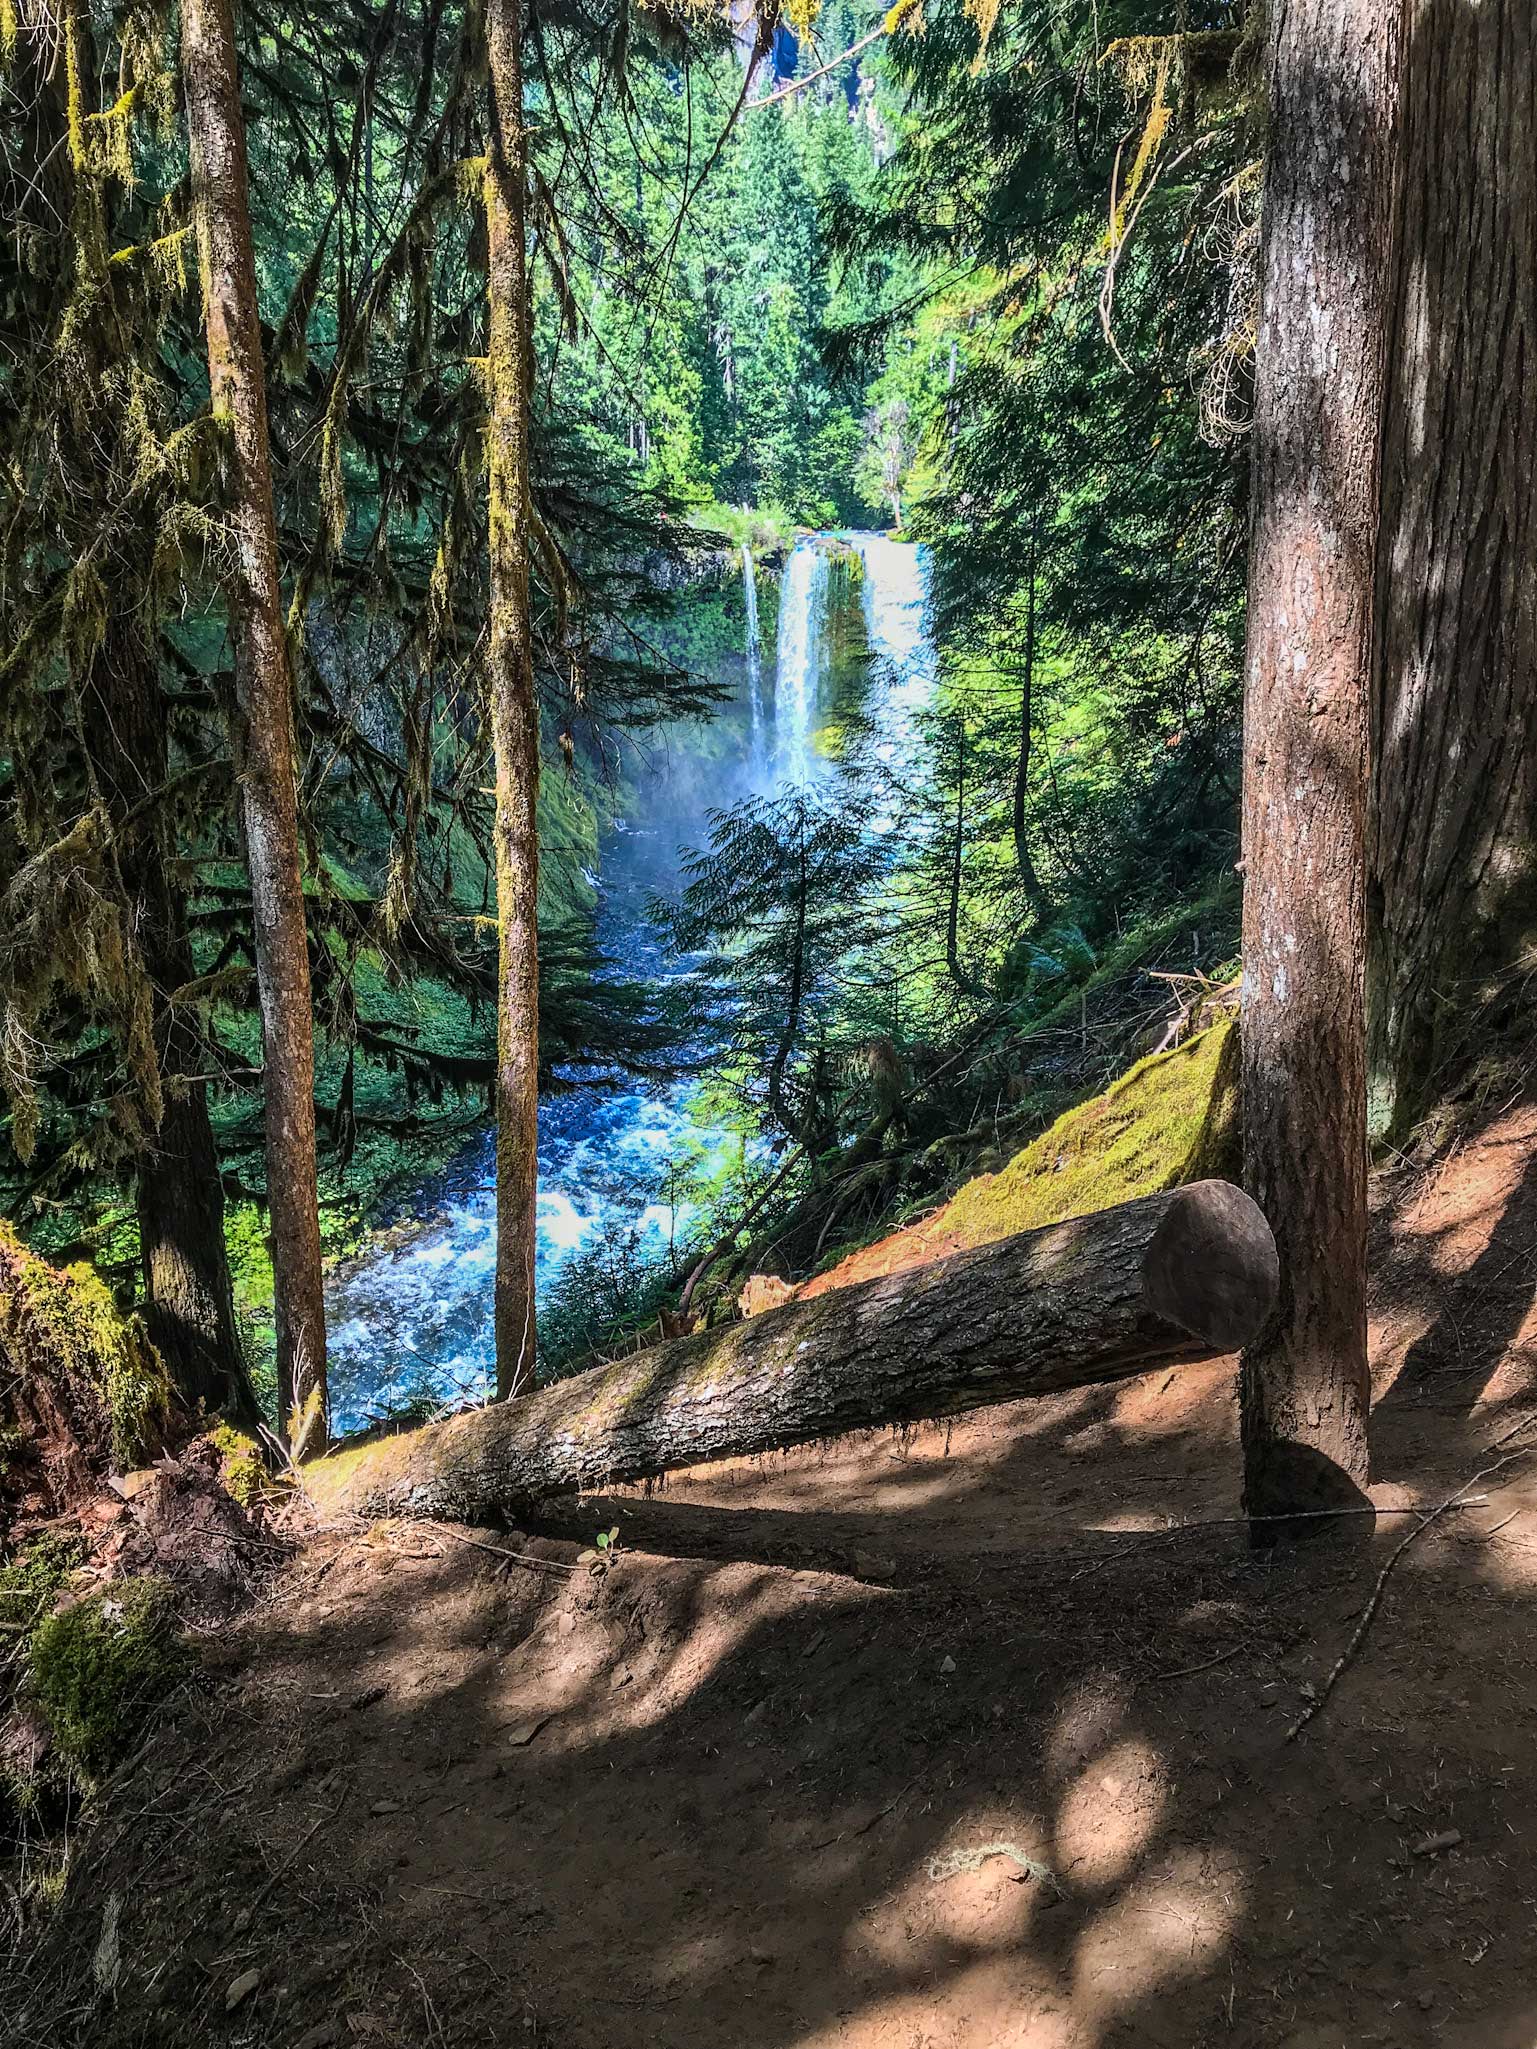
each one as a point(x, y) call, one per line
point(742, 1789)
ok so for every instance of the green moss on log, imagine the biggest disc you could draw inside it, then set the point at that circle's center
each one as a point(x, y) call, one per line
point(64, 1329)
point(1172, 1118)
point(32, 1581)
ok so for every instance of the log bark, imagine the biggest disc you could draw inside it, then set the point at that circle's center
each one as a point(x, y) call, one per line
point(1454, 851)
point(514, 708)
point(1318, 399)
point(1184, 1275)
point(263, 689)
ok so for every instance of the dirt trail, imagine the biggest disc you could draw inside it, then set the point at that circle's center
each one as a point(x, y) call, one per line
point(732, 1792)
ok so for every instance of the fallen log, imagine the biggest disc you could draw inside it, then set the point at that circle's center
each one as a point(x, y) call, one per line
point(1184, 1275)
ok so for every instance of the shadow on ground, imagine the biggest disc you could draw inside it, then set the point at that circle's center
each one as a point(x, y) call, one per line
point(881, 1745)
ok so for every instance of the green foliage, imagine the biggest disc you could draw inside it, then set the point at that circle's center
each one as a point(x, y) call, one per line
point(775, 891)
point(32, 1581)
point(98, 1669)
point(604, 1297)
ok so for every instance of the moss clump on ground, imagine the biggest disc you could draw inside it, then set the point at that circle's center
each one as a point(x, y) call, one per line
point(96, 1670)
point(31, 1583)
point(1172, 1118)
point(65, 1329)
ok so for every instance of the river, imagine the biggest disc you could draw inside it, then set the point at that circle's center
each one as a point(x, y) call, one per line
point(412, 1319)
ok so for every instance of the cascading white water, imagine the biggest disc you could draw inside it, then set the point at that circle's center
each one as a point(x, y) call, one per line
point(415, 1316)
point(802, 617)
point(754, 653)
point(896, 607)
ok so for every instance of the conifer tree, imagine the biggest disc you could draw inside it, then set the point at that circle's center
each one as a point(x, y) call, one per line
point(1454, 872)
point(1324, 289)
point(264, 693)
point(105, 1054)
point(514, 710)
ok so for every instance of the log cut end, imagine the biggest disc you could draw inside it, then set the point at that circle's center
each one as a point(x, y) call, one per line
point(1211, 1265)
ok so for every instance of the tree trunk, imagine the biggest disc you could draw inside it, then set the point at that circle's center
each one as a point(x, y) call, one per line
point(514, 708)
point(1454, 879)
point(1188, 1274)
point(1306, 1391)
point(189, 1308)
point(265, 754)
point(189, 1305)
point(1029, 881)
point(790, 1124)
point(958, 974)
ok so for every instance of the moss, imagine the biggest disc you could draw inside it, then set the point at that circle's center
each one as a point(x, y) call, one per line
point(242, 1467)
point(31, 1583)
point(97, 1670)
point(1172, 1118)
point(65, 1327)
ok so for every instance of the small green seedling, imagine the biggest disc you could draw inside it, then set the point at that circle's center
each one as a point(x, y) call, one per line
point(605, 1549)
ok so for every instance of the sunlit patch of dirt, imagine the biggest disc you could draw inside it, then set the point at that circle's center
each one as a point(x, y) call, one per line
point(743, 1787)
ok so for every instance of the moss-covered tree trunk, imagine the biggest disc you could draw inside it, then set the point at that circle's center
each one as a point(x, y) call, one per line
point(179, 1196)
point(514, 710)
point(263, 687)
point(1454, 854)
point(1325, 236)
point(1185, 1275)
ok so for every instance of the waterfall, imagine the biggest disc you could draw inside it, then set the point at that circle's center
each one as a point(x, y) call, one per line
point(802, 609)
point(896, 607)
point(754, 653)
point(897, 626)
point(414, 1314)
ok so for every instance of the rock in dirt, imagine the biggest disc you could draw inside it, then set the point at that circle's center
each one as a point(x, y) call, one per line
point(525, 1732)
point(385, 1807)
point(1432, 1846)
point(241, 1989)
point(871, 1565)
point(321, 2036)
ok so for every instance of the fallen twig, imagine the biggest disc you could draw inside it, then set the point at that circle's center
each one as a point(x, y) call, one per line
point(1457, 1500)
point(1206, 1664)
point(525, 1558)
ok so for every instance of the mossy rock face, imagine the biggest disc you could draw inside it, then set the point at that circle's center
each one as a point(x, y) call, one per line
point(86, 1387)
point(1170, 1119)
point(98, 1669)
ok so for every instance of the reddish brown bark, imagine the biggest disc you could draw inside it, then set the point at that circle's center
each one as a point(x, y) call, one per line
point(1454, 880)
point(514, 711)
point(263, 688)
point(1325, 240)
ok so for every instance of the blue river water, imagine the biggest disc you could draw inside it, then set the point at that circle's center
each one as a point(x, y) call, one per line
point(412, 1318)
